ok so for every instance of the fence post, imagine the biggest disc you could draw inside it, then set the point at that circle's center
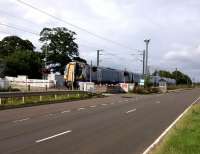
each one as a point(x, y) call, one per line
point(23, 99)
point(0, 101)
point(40, 98)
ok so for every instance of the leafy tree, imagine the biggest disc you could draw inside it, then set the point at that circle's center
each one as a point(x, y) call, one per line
point(181, 78)
point(23, 62)
point(80, 60)
point(10, 44)
point(163, 73)
point(60, 44)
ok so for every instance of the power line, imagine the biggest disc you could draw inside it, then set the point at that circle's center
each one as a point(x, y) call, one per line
point(17, 28)
point(73, 25)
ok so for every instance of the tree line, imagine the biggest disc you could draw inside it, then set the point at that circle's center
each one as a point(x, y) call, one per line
point(180, 77)
point(20, 57)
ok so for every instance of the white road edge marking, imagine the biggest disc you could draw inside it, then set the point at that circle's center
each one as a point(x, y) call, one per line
point(21, 120)
point(130, 111)
point(66, 111)
point(50, 137)
point(167, 129)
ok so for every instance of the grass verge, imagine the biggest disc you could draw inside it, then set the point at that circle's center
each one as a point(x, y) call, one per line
point(9, 103)
point(184, 137)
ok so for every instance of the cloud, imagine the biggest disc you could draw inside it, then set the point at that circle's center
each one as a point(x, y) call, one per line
point(173, 26)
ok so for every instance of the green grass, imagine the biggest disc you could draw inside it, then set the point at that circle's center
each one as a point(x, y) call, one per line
point(184, 138)
point(37, 100)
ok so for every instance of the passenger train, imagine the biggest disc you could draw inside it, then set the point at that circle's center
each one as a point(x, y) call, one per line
point(77, 71)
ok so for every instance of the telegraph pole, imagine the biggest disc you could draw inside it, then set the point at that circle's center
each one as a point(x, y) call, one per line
point(98, 53)
point(91, 71)
point(146, 62)
point(143, 61)
point(176, 75)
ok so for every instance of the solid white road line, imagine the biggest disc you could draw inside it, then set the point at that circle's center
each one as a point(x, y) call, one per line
point(130, 111)
point(167, 129)
point(66, 111)
point(20, 120)
point(93, 106)
point(50, 137)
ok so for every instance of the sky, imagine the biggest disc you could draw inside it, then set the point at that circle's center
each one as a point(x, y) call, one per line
point(173, 26)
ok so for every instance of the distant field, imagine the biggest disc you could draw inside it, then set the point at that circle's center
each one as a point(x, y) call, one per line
point(184, 138)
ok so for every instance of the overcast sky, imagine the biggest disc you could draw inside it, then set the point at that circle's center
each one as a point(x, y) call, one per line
point(172, 25)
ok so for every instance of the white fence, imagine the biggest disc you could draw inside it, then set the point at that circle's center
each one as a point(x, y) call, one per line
point(24, 81)
point(4, 84)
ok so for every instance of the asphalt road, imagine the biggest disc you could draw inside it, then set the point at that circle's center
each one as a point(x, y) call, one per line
point(118, 124)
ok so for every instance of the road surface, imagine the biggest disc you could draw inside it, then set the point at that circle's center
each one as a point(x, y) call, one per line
point(118, 124)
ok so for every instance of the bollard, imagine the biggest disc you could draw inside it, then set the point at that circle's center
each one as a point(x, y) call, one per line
point(0, 101)
point(46, 87)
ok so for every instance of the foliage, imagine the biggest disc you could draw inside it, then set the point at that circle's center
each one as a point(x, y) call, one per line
point(60, 45)
point(10, 44)
point(147, 82)
point(23, 62)
point(80, 60)
point(18, 58)
point(180, 77)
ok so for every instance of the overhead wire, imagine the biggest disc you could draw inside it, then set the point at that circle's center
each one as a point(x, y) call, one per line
point(73, 25)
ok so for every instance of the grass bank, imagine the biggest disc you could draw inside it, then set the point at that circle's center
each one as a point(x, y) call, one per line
point(7, 103)
point(184, 137)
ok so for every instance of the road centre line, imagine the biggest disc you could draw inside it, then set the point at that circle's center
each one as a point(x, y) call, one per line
point(21, 120)
point(130, 111)
point(66, 111)
point(104, 104)
point(81, 109)
point(93, 106)
point(50, 137)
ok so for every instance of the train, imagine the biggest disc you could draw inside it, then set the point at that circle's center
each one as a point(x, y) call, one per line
point(76, 72)
point(81, 72)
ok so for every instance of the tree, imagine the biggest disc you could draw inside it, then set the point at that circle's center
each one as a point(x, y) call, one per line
point(163, 73)
point(79, 59)
point(10, 44)
point(23, 62)
point(60, 44)
point(181, 78)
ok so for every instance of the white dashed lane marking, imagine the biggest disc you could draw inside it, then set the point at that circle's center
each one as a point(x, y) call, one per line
point(66, 111)
point(104, 104)
point(130, 111)
point(21, 120)
point(50, 137)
